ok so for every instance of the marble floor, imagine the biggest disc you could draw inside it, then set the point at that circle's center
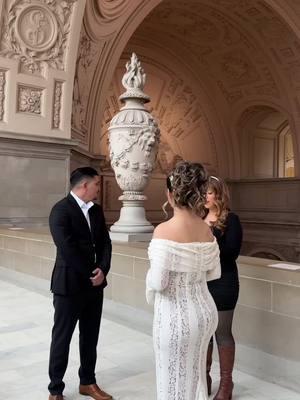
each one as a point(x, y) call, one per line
point(125, 366)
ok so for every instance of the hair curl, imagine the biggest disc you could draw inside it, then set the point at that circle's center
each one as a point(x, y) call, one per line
point(188, 184)
point(221, 192)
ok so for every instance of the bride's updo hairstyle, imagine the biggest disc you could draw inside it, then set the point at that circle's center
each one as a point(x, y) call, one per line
point(188, 184)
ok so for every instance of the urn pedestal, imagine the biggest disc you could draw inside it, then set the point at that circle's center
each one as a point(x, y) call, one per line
point(133, 139)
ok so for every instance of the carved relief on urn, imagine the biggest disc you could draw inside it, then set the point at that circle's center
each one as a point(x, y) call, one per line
point(133, 134)
point(133, 137)
point(133, 149)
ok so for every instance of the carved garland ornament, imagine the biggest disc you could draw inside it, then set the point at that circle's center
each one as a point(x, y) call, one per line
point(57, 104)
point(2, 93)
point(36, 33)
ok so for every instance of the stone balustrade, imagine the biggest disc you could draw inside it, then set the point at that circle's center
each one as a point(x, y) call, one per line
point(267, 319)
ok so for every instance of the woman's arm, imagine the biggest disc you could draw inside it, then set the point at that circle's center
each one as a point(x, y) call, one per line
point(158, 275)
point(213, 261)
point(231, 241)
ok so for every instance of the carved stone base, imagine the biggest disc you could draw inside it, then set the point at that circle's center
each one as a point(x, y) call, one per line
point(130, 237)
point(132, 219)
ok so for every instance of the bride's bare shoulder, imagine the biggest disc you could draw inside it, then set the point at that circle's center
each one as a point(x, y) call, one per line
point(162, 231)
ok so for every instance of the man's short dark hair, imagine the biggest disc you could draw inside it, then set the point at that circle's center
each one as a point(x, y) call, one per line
point(82, 173)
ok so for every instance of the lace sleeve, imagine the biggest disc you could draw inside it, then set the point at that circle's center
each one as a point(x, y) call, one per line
point(157, 276)
point(214, 273)
point(214, 267)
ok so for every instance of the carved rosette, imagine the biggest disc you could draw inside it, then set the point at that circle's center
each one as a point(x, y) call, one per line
point(36, 33)
point(2, 92)
point(133, 139)
point(133, 135)
point(57, 104)
point(30, 100)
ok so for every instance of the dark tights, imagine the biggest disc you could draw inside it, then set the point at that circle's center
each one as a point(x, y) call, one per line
point(224, 330)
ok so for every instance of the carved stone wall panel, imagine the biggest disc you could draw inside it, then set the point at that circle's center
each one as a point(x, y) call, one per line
point(89, 53)
point(275, 34)
point(237, 69)
point(231, 96)
point(38, 49)
point(30, 100)
point(2, 93)
point(36, 33)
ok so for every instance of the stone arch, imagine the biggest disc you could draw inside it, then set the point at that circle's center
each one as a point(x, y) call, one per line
point(259, 130)
point(270, 78)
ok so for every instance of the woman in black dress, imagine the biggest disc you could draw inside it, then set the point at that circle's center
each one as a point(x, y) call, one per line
point(227, 229)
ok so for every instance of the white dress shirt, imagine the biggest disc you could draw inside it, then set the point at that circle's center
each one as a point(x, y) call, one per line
point(84, 207)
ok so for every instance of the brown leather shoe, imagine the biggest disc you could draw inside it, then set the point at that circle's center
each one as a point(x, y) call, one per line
point(56, 397)
point(94, 391)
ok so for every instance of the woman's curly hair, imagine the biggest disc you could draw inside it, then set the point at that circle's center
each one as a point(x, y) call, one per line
point(188, 184)
point(221, 192)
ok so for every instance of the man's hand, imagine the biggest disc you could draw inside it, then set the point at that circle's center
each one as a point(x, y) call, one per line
point(98, 277)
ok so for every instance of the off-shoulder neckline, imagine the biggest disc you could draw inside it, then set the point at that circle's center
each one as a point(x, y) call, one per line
point(186, 243)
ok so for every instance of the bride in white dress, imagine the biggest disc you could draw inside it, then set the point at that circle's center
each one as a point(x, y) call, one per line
point(183, 256)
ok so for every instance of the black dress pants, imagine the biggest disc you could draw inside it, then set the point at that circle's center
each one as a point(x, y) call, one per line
point(85, 307)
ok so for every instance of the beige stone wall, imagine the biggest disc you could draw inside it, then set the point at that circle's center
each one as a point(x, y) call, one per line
point(34, 176)
point(268, 312)
point(269, 210)
point(31, 252)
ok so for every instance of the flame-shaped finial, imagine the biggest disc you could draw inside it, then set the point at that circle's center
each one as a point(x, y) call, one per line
point(135, 76)
point(134, 80)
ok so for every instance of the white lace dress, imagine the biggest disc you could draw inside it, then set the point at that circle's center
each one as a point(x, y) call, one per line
point(185, 315)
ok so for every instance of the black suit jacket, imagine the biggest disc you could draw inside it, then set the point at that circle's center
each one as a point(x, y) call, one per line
point(79, 249)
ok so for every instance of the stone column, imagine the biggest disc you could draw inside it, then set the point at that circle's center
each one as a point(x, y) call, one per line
point(38, 49)
point(134, 138)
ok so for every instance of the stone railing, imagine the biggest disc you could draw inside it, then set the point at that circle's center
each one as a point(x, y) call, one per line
point(267, 318)
point(270, 213)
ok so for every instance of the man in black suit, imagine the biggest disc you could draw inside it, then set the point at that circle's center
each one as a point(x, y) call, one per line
point(83, 257)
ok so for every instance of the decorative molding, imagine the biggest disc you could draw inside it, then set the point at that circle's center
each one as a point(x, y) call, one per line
point(108, 11)
point(88, 56)
point(37, 33)
point(30, 100)
point(2, 92)
point(238, 69)
point(58, 88)
point(18, 145)
point(231, 96)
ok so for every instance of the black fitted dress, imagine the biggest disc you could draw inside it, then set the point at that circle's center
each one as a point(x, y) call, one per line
point(225, 291)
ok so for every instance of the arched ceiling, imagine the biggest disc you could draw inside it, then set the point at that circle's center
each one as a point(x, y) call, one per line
point(238, 53)
point(241, 50)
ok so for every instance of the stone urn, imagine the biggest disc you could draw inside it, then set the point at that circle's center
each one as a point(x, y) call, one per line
point(133, 140)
